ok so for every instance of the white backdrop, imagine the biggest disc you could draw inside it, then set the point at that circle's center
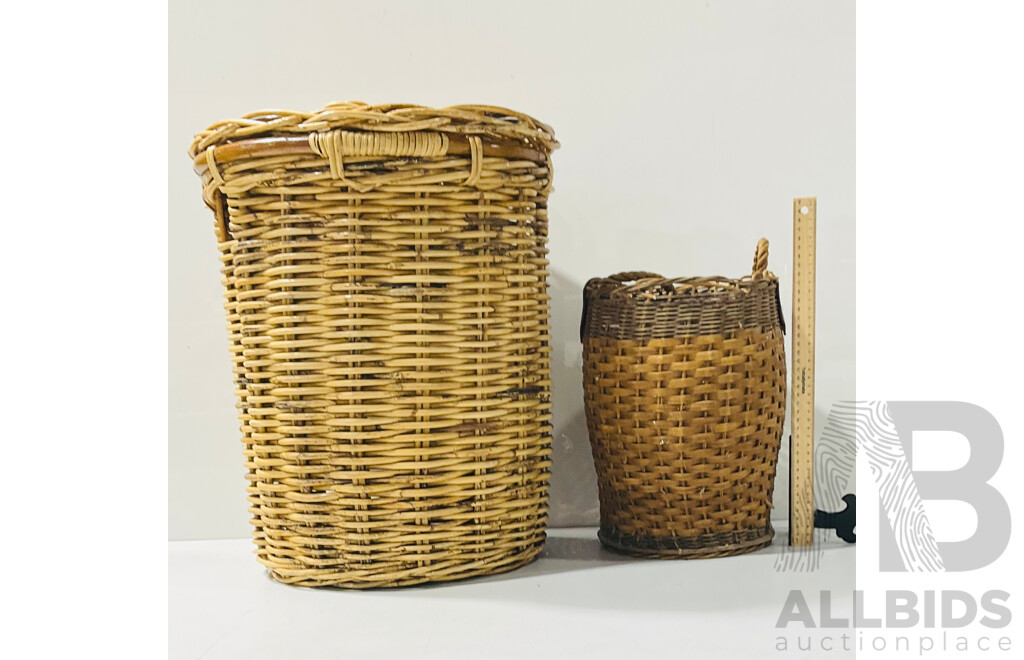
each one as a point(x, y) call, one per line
point(686, 129)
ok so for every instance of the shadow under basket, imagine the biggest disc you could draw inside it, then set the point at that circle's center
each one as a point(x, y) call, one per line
point(685, 396)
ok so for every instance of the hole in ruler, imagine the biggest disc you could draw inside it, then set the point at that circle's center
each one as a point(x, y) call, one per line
point(804, 210)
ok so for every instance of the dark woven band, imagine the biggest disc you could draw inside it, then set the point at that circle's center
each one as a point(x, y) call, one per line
point(755, 305)
point(705, 545)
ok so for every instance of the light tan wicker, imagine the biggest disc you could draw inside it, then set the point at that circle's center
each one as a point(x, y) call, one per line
point(685, 392)
point(386, 282)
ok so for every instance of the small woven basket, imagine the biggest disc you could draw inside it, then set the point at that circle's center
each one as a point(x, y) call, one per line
point(685, 391)
point(385, 274)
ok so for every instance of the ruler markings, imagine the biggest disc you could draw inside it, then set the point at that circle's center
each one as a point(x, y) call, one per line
point(801, 494)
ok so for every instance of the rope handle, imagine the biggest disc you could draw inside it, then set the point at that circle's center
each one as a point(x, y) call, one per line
point(760, 260)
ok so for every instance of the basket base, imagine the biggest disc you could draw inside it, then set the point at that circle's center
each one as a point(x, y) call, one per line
point(705, 546)
point(420, 575)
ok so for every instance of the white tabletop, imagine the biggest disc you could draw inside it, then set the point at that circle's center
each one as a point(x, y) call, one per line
point(577, 600)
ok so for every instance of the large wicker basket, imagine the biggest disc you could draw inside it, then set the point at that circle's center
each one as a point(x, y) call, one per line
point(685, 391)
point(386, 282)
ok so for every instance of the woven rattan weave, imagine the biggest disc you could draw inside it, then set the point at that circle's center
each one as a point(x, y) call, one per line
point(386, 282)
point(685, 391)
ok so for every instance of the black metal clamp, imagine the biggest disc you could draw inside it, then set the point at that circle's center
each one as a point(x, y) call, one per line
point(844, 522)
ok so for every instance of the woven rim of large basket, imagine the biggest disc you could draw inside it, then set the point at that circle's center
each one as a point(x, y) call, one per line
point(268, 133)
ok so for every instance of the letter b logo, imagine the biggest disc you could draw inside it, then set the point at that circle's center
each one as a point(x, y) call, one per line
point(905, 533)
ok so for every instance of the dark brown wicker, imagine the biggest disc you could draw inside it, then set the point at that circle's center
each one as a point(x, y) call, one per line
point(685, 392)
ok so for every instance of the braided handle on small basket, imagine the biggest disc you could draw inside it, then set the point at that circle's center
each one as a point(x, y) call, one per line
point(760, 260)
point(622, 278)
point(633, 276)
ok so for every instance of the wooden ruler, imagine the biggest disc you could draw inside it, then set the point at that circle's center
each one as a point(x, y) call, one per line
point(801, 419)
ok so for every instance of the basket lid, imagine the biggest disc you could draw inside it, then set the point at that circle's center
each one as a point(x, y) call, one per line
point(480, 120)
